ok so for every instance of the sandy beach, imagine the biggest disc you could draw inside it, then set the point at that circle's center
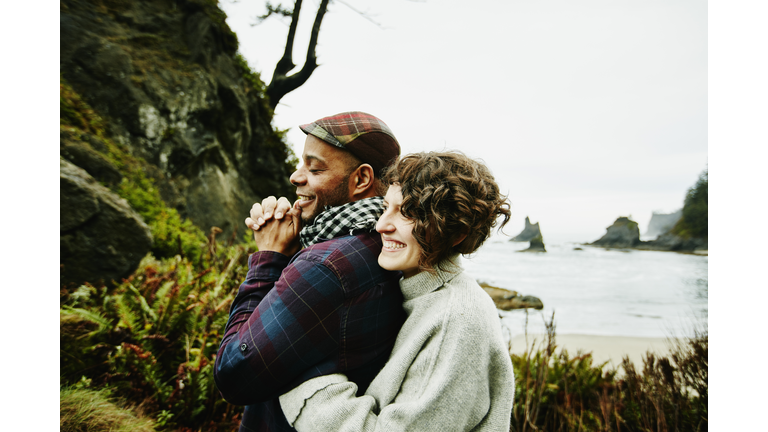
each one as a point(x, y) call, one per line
point(603, 348)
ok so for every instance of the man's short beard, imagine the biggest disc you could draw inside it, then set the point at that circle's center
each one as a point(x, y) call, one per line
point(338, 196)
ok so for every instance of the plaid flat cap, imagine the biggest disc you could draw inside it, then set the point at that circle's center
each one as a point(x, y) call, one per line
point(364, 135)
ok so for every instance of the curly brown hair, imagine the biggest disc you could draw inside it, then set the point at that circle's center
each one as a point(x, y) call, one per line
point(447, 195)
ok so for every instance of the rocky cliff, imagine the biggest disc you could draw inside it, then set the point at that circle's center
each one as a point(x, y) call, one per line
point(661, 223)
point(156, 102)
point(172, 90)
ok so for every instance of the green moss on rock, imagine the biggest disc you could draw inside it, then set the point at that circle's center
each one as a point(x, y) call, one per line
point(172, 234)
point(76, 113)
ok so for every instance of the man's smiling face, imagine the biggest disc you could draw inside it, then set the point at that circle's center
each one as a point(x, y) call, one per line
point(323, 178)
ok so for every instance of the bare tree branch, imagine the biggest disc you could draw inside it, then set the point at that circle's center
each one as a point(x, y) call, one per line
point(281, 83)
point(272, 10)
point(286, 64)
point(361, 13)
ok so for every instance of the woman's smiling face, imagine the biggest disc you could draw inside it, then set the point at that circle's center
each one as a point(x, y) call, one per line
point(400, 251)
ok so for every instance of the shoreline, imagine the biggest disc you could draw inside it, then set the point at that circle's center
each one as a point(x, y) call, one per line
point(603, 348)
point(700, 252)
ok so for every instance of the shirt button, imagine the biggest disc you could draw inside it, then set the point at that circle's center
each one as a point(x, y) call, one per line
point(243, 347)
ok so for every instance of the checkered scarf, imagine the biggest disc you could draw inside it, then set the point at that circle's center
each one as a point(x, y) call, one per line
point(357, 215)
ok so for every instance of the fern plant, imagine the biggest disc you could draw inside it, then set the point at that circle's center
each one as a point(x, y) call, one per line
point(153, 339)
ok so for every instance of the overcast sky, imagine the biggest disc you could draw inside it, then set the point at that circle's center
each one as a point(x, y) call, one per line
point(584, 110)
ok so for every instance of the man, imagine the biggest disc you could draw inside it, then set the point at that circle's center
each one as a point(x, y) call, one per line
point(328, 307)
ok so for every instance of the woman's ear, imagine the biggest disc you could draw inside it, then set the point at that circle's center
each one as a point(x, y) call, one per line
point(361, 182)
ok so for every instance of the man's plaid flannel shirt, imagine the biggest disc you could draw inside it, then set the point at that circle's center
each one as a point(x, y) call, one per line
point(329, 309)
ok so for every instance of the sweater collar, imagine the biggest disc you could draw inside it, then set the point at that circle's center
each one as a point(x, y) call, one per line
point(425, 282)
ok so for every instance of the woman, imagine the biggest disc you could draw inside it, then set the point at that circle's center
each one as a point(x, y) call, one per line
point(449, 369)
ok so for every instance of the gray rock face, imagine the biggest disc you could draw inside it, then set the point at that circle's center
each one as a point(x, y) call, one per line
point(624, 233)
point(90, 160)
point(674, 243)
point(165, 78)
point(661, 223)
point(536, 245)
point(101, 237)
point(508, 300)
point(528, 233)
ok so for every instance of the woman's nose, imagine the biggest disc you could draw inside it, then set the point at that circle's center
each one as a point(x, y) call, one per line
point(383, 225)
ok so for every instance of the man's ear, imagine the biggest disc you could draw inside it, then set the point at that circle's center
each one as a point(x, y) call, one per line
point(361, 182)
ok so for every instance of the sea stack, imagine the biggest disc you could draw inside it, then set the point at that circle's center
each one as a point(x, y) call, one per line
point(624, 233)
point(530, 232)
point(537, 245)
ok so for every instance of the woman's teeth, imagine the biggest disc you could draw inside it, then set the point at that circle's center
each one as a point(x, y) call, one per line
point(393, 245)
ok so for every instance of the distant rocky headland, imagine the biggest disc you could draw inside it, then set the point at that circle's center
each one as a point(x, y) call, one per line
point(624, 234)
point(688, 233)
point(662, 223)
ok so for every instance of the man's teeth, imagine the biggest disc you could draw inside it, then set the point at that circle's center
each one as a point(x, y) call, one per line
point(393, 245)
point(304, 198)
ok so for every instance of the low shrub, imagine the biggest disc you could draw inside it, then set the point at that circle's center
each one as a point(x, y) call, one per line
point(555, 392)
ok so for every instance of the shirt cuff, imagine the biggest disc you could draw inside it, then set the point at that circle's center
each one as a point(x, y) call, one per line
point(293, 401)
point(267, 265)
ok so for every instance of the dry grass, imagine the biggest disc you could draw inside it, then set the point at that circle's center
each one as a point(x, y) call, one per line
point(84, 410)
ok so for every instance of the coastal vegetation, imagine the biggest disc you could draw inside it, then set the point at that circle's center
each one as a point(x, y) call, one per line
point(555, 391)
point(147, 347)
point(83, 409)
point(694, 222)
point(152, 339)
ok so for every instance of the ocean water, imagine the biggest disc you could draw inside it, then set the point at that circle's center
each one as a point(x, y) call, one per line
point(596, 291)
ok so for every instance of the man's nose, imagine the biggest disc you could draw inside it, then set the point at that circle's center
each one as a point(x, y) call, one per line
point(298, 178)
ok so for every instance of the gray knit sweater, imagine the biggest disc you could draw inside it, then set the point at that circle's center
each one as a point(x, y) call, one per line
point(449, 369)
